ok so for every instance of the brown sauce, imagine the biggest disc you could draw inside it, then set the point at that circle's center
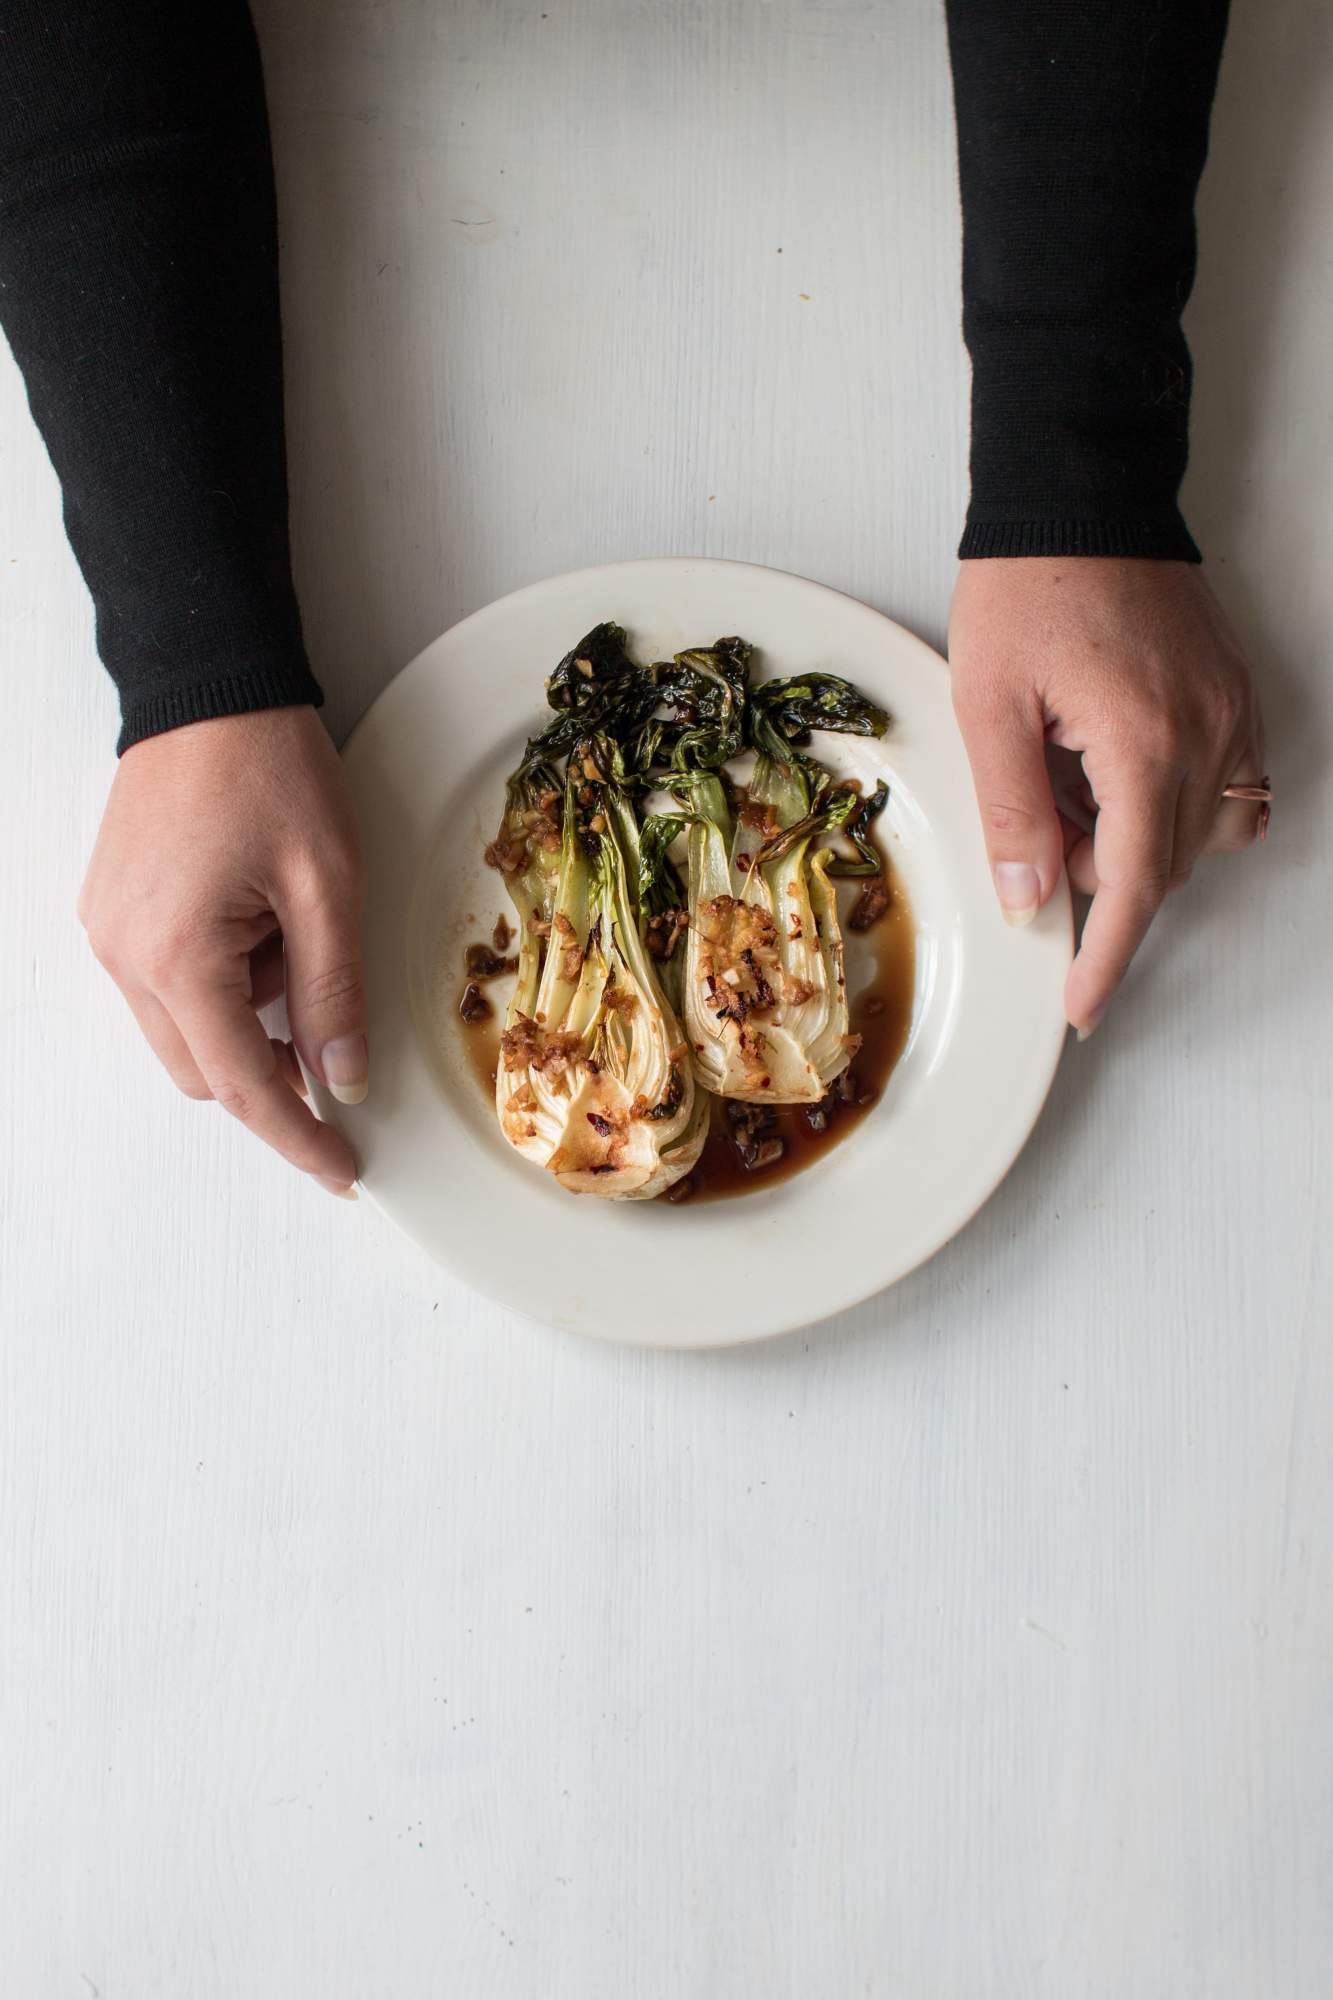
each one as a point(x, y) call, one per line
point(880, 1012)
point(482, 1042)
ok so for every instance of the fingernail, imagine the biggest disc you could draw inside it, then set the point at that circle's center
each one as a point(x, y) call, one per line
point(1018, 887)
point(1090, 1027)
point(345, 1063)
point(343, 1192)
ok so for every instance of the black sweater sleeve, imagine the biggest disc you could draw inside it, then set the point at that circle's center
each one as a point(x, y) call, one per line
point(1082, 131)
point(138, 289)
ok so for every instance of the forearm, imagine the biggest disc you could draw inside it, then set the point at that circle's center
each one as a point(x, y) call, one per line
point(138, 289)
point(1082, 132)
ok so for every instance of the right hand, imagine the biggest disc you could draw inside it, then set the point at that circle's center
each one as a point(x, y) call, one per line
point(227, 857)
point(1132, 666)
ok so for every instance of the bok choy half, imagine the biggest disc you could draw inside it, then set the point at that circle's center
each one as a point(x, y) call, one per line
point(764, 990)
point(594, 1081)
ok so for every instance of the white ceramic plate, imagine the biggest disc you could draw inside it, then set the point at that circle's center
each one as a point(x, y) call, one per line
point(427, 768)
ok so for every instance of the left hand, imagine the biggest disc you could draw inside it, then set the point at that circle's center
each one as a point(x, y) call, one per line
point(226, 867)
point(1133, 666)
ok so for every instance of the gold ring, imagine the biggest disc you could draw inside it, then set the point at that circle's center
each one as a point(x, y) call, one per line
point(1260, 795)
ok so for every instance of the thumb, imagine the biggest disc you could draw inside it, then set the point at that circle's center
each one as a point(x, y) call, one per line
point(326, 1002)
point(1005, 741)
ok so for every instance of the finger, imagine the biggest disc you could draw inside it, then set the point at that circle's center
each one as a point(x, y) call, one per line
point(166, 1041)
point(1005, 741)
point(243, 1072)
point(1234, 824)
point(1201, 805)
point(1068, 781)
point(288, 1067)
point(326, 1004)
point(1132, 850)
point(1079, 865)
point(266, 971)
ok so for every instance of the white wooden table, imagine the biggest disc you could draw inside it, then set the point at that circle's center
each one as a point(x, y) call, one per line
point(359, 1642)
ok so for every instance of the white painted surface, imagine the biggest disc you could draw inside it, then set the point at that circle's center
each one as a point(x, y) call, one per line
point(359, 1643)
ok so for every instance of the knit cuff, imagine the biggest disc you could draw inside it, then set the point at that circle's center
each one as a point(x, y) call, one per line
point(266, 683)
point(1164, 541)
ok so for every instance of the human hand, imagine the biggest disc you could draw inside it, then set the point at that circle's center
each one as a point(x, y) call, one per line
point(1133, 666)
point(228, 854)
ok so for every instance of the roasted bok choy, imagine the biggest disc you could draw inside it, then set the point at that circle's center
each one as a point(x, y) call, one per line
point(594, 1081)
point(679, 928)
point(764, 990)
